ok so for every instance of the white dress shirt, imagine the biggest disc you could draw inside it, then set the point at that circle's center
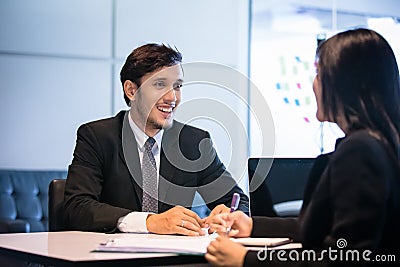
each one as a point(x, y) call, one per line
point(136, 220)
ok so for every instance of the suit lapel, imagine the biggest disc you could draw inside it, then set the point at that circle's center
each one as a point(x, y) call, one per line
point(130, 155)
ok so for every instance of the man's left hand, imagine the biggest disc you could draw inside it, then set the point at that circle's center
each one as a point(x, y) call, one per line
point(221, 208)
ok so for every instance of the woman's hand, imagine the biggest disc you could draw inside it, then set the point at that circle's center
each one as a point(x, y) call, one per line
point(225, 252)
point(239, 223)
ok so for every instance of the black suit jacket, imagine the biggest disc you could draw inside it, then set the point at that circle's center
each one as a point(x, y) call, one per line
point(352, 193)
point(104, 180)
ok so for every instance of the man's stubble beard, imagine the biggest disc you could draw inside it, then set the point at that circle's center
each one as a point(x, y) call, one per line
point(150, 123)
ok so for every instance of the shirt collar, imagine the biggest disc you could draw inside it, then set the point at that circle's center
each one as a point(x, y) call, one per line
point(338, 141)
point(141, 137)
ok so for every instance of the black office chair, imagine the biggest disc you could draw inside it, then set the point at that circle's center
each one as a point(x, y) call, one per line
point(56, 205)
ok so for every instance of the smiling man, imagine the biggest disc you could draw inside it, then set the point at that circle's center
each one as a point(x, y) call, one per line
point(139, 171)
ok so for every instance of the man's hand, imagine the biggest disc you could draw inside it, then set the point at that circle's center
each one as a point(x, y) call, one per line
point(177, 220)
point(221, 208)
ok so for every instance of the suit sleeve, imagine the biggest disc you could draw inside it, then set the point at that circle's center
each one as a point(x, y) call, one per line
point(83, 207)
point(358, 194)
point(216, 184)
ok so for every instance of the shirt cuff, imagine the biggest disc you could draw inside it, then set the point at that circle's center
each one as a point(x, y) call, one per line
point(134, 222)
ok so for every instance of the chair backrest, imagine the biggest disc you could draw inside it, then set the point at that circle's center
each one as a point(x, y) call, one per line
point(56, 205)
point(24, 199)
point(283, 180)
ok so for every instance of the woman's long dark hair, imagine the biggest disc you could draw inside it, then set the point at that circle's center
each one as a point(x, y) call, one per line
point(360, 83)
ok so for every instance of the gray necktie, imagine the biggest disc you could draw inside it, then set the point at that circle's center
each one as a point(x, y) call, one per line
point(149, 171)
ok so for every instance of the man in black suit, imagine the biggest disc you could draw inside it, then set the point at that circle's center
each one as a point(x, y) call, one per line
point(120, 162)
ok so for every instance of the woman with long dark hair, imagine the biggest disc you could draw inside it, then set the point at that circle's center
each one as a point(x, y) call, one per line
point(353, 193)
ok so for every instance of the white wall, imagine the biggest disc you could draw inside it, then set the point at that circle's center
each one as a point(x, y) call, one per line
point(60, 63)
point(55, 75)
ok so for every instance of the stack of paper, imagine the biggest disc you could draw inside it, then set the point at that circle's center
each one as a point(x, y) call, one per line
point(176, 244)
point(161, 244)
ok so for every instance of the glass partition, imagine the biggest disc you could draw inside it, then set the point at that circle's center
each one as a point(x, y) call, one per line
point(284, 37)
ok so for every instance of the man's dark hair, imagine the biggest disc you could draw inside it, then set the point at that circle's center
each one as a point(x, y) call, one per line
point(146, 59)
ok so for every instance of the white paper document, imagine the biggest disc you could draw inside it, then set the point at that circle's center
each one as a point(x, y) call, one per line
point(152, 243)
point(157, 244)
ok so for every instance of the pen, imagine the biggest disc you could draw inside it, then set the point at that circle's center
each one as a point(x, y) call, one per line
point(234, 206)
